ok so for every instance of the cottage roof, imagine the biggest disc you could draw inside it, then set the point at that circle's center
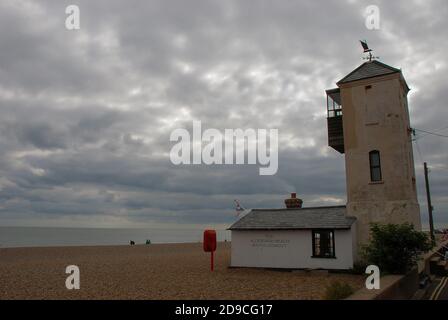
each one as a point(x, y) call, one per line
point(289, 219)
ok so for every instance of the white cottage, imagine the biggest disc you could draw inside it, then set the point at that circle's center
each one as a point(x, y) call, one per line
point(298, 238)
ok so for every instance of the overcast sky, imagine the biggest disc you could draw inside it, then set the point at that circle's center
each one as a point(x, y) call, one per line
point(86, 115)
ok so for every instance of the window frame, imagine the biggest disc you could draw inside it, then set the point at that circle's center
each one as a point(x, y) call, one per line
point(334, 109)
point(313, 240)
point(372, 167)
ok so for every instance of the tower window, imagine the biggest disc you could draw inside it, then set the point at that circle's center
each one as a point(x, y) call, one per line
point(375, 165)
point(334, 108)
point(323, 243)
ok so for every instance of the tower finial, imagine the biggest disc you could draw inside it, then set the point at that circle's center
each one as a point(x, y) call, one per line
point(366, 48)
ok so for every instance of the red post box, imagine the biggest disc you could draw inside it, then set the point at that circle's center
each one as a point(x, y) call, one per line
point(210, 244)
point(209, 240)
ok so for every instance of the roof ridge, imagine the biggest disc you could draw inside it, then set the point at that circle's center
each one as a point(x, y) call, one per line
point(304, 208)
point(386, 65)
point(356, 69)
point(347, 79)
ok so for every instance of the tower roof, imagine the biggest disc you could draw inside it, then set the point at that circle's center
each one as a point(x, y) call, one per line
point(370, 69)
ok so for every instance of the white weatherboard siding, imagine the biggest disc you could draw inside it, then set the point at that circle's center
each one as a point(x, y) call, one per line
point(287, 249)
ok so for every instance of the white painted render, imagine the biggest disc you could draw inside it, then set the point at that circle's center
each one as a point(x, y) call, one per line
point(378, 119)
point(288, 249)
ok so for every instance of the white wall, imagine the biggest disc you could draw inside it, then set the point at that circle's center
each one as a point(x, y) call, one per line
point(287, 249)
point(378, 119)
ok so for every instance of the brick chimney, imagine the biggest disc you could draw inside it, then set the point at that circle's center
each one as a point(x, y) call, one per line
point(293, 202)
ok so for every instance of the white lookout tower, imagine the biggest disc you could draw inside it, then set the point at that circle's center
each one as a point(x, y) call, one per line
point(368, 121)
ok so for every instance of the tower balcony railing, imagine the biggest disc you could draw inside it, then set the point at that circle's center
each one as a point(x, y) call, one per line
point(334, 120)
point(334, 107)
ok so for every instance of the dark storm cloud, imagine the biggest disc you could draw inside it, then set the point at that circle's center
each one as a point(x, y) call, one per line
point(86, 115)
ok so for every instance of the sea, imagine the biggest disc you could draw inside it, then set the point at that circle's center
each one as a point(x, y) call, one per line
point(11, 237)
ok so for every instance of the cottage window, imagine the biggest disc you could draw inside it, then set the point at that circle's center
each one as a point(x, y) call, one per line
point(323, 244)
point(375, 166)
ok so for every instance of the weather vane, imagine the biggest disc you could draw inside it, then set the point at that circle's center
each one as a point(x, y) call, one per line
point(367, 50)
